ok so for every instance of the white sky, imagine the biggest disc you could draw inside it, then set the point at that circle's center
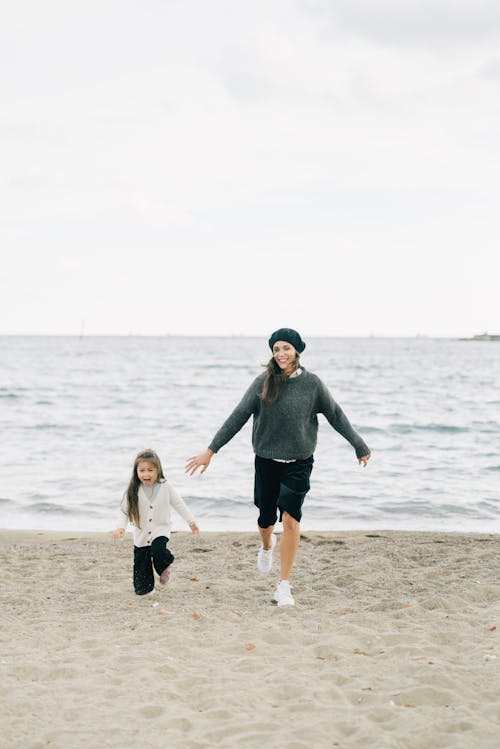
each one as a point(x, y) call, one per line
point(229, 167)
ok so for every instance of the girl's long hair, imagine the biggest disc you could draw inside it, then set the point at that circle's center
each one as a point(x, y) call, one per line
point(133, 487)
point(274, 379)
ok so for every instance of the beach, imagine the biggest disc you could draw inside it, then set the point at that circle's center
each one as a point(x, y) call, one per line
point(393, 643)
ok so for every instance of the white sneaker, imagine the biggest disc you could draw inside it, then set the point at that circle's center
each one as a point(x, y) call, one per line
point(283, 594)
point(265, 556)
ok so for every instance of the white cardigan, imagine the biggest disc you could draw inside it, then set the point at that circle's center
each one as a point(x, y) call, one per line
point(155, 513)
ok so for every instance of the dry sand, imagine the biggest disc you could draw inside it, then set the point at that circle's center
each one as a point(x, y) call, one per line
point(393, 642)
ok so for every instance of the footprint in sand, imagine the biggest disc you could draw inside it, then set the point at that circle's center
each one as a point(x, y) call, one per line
point(152, 711)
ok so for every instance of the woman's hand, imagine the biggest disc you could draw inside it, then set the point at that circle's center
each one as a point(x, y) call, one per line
point(118, 533)
point(199, 460)
point(364, 460)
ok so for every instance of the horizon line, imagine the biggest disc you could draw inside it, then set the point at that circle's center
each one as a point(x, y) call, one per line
point(224, 335)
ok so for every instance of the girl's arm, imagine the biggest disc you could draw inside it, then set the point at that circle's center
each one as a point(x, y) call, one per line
point(122, 520)
point(180, 506)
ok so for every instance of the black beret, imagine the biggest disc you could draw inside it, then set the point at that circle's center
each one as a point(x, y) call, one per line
point(290, 336)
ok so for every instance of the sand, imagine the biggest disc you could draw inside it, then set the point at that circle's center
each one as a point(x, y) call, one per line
point(393, 642)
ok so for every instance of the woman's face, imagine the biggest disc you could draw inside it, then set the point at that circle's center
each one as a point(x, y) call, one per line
point(147, 473)
point(284, 356)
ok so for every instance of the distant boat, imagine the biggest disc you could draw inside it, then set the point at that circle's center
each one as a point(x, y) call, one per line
point(482, 337)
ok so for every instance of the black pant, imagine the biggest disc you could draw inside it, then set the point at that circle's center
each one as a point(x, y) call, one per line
point(280, 486)
point(144, 558)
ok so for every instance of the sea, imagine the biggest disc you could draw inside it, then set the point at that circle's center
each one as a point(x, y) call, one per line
point(74, 412)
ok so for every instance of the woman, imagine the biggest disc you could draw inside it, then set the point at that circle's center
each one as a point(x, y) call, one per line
point(284, 402)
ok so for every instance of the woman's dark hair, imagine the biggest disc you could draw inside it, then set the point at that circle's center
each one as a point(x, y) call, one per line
point(274, 380)
point(133, 487)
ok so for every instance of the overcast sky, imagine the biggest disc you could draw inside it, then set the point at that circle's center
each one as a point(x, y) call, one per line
point(232, 166)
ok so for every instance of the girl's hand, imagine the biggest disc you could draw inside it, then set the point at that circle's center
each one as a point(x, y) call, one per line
point(194, 528)
point(118, 533)
point(364, 460)
point(199, 460)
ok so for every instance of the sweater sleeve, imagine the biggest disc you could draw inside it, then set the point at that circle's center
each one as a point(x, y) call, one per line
point(122, 517)
point(339, 421)
point(179, 505)
point(238, 418)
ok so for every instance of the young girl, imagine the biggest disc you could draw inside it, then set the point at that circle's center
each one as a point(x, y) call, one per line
point(147, 504)
point(284, 403)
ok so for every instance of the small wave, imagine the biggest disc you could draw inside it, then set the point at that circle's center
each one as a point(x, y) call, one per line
point(408, 508)
point(223, 366)
point(486, 427)
point(44, 426)
point(53, 509)
point(464, 511)
point(440, 428)
point(492, 468)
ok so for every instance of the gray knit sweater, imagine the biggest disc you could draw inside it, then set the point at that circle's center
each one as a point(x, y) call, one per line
point(288, 429)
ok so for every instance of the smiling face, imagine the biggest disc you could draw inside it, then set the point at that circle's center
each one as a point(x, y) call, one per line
point(147, 472)
point(284, 356)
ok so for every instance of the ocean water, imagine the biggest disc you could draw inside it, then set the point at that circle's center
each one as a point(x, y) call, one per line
point(75, 411)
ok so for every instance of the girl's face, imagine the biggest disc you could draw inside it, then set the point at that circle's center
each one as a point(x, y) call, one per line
point(147, 472)
point(284, 356)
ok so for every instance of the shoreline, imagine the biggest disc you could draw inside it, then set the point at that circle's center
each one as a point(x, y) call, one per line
point(392, 644)
point(249, 525)
point(95, 535)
